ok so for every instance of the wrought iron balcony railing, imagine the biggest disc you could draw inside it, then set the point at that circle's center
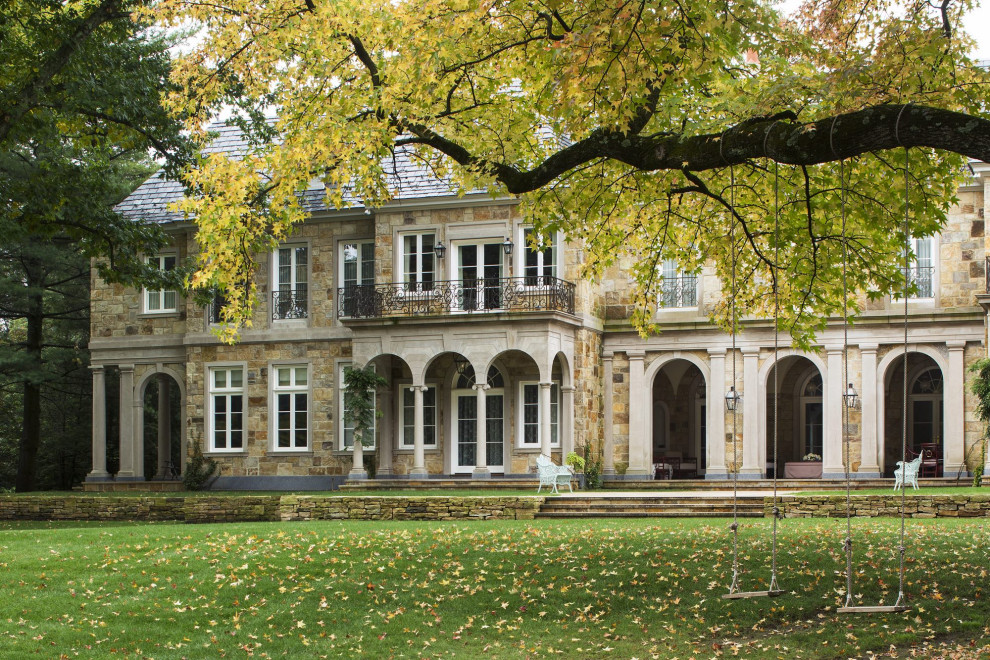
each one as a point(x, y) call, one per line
point(922, 278)
point(507, 294)
point(290, 304)
point(680, 291)
point(986, 273)
point(214, 308)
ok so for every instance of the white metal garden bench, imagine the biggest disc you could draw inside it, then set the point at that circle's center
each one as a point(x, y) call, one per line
point(907, 473)
point(553, 475)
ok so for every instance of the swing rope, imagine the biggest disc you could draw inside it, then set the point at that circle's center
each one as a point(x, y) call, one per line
point(776, 341)
point(734, 587)
point(898, 606)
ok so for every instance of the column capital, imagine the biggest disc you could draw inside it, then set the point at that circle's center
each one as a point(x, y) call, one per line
point(833, 348)
point(418, 388)
point(748, 351)
point(869, 347)
point(126, 367)
point(546, 386)
point(484, 387)
point(608, 355)
point(97, 368)
point(956, 344)
point(716, 352)
point(570, 389)
point(636, 355)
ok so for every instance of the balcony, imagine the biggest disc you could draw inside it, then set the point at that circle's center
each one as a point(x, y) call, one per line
point(680, 291)
point(455, 297)
point(214, 309)
point(921, 278)
point(290, 304)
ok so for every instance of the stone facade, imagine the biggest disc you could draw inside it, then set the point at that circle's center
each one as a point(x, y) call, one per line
point(887, 506)
point(567, 377)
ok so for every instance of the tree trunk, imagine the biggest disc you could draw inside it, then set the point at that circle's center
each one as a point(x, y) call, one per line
point(31, 420)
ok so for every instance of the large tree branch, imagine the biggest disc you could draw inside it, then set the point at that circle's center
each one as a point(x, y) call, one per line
point(847, 135)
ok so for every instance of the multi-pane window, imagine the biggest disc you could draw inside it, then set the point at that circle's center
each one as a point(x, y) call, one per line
point(226, 419)
point(290, 388)
point(921, 273)
point(162, 300)
point(357, 269)
point(346, 425)
point(539, 264)
point(531, 414)
point(290, 295)
point(679, 289)
point(418, 262)
point(429, 416)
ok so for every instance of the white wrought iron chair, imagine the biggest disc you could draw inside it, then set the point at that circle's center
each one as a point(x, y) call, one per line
point(907, 473)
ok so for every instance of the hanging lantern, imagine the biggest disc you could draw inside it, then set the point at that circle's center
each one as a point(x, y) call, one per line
point(732, 399)
point(461, 364)
point(851, 397)
point(440, 249)
point(507, 246)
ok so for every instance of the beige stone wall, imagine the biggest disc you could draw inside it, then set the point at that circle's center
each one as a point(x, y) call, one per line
point(117, 311)
point(962, 253)
point(259, 459)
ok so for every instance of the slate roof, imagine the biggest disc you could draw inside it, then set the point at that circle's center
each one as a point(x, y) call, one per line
point(150, 202)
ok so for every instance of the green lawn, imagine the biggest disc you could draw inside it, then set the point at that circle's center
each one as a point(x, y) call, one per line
point(584, 589)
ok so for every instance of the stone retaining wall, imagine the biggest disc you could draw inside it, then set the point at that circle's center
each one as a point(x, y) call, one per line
point(915, 506)
point(272, 508)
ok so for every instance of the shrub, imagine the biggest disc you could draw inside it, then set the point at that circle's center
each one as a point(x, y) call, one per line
point(201, 471)
point(575, 461)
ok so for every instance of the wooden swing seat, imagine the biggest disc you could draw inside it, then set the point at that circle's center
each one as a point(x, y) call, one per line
point(753, 594)
point(873, 609)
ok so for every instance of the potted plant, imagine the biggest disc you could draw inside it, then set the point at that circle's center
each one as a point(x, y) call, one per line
point(359, 409)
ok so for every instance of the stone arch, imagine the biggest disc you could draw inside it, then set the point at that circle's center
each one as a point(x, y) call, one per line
point(651, 373)
point(764, 435)
point(886, 369)
point(140, 389)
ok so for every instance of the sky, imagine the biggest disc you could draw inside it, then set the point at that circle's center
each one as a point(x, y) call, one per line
point(977, 24)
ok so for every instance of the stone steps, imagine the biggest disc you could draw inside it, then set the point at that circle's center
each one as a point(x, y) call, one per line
point(650, 507)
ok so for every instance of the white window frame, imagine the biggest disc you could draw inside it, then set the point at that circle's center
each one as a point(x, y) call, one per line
point(161, 294)
point(293, 280)
point(935, 243)
point(345, 428)
point(292, 389)
point(555, 421)
point(554, 248)
point(362, 245)
point(405, 272)
point(429, 421)
point(932, 263)
point(227, 391)
point(670, 268)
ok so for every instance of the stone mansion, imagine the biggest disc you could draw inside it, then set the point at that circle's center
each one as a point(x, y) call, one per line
point(495, 351)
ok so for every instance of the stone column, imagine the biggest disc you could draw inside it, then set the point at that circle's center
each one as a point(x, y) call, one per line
point(715, 410)
point(357, 468)
point(99, 472)
point(566, 421)
point(164, 428)
point(752, 466)
point(608, 448)
point(869, 468)
point(545, 418)
point(419, 451)
point(953, 394)
point(126, 408)
point(833, 466)
point(481, 470)
point(640, 437)
point(137, 424)
point(386, 434)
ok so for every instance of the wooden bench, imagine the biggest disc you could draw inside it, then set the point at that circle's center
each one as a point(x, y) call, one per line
point(553, 475)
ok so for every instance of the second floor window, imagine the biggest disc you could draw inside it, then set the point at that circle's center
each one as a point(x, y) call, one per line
point(162, 300)
point(418, 265)
point(679, 289)
point(539, 265)
point(290, 295)
point(921, 273)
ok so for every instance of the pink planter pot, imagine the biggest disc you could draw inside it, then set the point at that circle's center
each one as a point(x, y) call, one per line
point(803, 470)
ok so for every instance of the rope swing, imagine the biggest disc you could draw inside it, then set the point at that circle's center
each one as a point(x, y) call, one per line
point(773, 589)
point(898, 606)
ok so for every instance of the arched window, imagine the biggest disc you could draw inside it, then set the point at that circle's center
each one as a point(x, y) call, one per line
point(928, 382)
point(466, 380)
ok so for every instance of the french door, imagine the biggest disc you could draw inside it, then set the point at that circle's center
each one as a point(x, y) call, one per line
point(466, 431)
point(479, 269)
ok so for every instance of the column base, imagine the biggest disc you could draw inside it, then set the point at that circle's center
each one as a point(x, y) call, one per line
point(639, 473)
point(608, 472)
point(869, 472)
point(357, 474)
point(125, 477)
point(481, 473)
point(840, 475)
point(955, 472)
point(750, 474)
point(419, 474)
point(716, 475)
point(383, 472)
point(99, 476)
